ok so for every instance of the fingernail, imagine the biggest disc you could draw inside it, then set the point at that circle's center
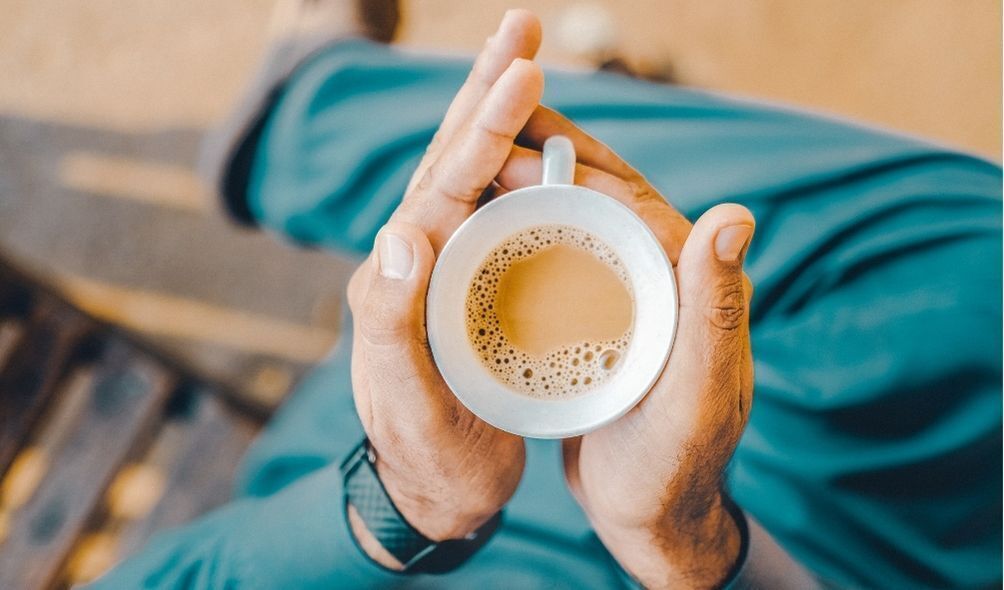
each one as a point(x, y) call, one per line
point(731, 240)
point(396, 258)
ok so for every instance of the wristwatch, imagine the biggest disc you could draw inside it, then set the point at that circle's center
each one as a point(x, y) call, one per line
point(419, 554)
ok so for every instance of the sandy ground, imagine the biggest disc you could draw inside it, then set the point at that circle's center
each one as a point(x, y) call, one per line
point(102, 103)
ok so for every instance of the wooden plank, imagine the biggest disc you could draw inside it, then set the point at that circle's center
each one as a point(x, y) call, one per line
point(198, 454)
point(160, 315)
point(33, 369)
point(139, 179)
point(15, 295)
point(91, 444)
point(11, 331)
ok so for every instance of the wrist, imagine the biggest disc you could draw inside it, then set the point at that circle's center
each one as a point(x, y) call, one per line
point(439, 516)
point(384, 534)
point(679, 549)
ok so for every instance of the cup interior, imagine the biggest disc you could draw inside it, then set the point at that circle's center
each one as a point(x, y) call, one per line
point(655, 311)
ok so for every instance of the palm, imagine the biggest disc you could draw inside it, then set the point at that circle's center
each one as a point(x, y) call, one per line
point(624, 468)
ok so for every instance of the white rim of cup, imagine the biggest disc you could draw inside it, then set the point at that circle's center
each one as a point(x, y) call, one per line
point(554, 202)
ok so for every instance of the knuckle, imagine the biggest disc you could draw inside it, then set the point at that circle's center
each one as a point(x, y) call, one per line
point(728, 313)
point(642, 192)
point(450, 187)
point(435, 143)
point(649, 203)
point(628, 173)
point(378, 324)
point(494, 132)
point(480, 77)
point(428, 177)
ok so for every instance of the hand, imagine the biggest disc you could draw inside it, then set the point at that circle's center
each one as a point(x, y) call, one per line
point(650, 483)
point(446, 470)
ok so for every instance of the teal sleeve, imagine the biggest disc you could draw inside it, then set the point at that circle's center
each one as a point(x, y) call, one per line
point(873, 452)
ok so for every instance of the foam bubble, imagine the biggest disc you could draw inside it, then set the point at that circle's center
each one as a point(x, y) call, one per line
point(563, 372)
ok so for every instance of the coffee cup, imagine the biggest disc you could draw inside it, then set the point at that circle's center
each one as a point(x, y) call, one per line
point(565, 248)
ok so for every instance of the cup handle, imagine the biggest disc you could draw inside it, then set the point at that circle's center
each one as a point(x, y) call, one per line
point(559, 161)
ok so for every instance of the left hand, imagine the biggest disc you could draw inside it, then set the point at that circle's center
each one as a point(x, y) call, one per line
point(651, 482)
point(446, 471)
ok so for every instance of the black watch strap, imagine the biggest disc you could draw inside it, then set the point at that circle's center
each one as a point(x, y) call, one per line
point(732, 580)
point(366, 493)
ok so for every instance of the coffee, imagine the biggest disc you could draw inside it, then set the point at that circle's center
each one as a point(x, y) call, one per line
point(550, 311)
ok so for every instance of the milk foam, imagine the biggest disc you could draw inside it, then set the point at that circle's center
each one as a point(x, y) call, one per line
point(562, 372)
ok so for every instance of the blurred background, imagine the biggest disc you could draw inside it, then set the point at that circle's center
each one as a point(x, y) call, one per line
point(101, 108)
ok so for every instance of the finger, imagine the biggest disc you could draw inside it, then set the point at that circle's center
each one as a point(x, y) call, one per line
point(449, 188)
point(570, 457)
point(712, 341)
point(711, 267)
point(518, 36)
point(492, 192)
point(523, 168)
point(497, 191)
point(390, 323)
point(546, 122)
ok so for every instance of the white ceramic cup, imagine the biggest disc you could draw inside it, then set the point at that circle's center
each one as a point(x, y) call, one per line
point(556, 201)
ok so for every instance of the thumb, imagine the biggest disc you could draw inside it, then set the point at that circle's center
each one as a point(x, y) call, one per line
point(393, 373)
point(711, 268)
point(714, 306)
point(393, 312)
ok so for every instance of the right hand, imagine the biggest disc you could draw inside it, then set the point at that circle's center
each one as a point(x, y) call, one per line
point(446, 470)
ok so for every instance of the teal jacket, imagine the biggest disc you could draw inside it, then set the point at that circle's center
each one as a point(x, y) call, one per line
point(873, 454)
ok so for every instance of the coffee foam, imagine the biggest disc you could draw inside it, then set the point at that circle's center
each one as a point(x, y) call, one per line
point(563, 372)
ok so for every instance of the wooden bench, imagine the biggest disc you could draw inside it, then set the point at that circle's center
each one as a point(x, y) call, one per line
point(103, 440)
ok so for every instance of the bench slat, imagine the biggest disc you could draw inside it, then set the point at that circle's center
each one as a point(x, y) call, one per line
point(33, 369)
point(127, 397)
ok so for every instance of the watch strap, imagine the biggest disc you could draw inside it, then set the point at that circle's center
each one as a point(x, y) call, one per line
point(367, 494)
point(733, 581)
